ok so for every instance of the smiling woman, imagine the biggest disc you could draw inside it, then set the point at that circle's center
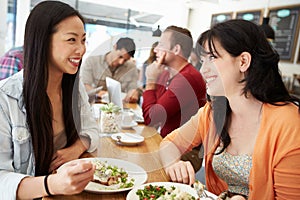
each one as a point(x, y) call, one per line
point(67, 45)
point(246, 129)
point(43, 107)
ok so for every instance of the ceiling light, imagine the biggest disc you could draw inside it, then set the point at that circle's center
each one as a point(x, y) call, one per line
point(157, 32)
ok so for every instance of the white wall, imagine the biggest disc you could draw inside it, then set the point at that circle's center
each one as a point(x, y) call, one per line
point(193, 14)
point(3, 11)
point(23, 9)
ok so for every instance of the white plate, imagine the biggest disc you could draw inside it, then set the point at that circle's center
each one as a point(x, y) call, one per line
point(128, 138)
point(128, 126)
point(133, 170)
point(183, 187)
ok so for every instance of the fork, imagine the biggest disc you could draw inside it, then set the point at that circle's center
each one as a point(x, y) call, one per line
point(119, 140)
point(199, 187)
point(205, 195)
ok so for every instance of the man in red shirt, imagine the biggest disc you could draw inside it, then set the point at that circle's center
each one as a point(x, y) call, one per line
point(174, 90)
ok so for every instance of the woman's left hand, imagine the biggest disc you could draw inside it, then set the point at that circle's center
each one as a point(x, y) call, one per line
point(67, 154)
point(181, 172)
point(62, 156)
point(237, 197)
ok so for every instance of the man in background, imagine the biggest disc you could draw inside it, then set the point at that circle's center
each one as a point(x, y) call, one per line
point(116, 64)
point(174, 90)
point(11, 62)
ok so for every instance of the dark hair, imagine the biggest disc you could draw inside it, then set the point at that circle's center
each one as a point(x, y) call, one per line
point(268, 30)
point(200, 42)
point(183, 37)
point(262, 79)
point(40, 26)
point(127, 44)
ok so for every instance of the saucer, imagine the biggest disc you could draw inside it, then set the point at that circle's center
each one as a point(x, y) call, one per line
point(127, 138)
point(138, 114)
point(139, 118)
point(128, 126)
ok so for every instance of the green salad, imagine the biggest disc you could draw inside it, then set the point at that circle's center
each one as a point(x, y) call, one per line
point(110, 175)
point(154, 192)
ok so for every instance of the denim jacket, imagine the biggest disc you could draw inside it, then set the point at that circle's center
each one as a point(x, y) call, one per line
point(16, 150)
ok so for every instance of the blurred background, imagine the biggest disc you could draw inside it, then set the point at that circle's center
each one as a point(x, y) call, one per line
point(108, 20)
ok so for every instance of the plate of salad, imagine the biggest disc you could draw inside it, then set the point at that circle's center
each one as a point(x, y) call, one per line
point(115, 175)
point(162, 191)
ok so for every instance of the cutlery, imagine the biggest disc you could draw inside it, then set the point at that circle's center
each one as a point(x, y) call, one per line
point(119, 140)
point(199, 187)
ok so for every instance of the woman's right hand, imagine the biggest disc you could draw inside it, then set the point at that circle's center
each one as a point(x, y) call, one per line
point(181, 172)
point(71, 178)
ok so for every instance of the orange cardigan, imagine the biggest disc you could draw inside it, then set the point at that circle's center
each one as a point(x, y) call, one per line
point(275, 172)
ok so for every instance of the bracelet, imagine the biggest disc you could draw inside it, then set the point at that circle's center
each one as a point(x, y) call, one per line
point(46, 185)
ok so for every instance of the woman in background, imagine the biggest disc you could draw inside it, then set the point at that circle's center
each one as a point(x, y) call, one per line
point(135, 95)
point(150, 60)
point(250, 128)
point(44, 111)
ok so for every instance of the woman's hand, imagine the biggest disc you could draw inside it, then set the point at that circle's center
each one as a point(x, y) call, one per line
point(62, 156)
point(71, 178)
point(67, 154)
point(225, 196)
point(237, 197)
point(181, 172)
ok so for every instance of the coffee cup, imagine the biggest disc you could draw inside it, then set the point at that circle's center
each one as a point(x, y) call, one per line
point(127, 118)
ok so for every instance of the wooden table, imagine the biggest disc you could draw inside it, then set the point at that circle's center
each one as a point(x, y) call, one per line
point(145, 155)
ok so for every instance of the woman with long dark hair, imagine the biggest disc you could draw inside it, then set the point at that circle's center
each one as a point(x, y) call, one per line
point(45, 118)
point(249, 128)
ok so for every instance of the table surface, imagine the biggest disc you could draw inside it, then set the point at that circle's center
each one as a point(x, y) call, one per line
point(144, 154)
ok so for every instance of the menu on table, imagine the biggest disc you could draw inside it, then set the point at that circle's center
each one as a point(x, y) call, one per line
point(285, 22)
